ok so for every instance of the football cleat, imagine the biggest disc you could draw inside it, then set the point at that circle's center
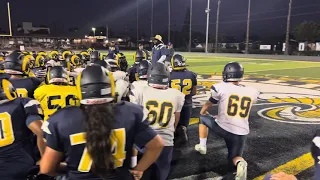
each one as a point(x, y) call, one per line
point(241, 170)
point(201, 149)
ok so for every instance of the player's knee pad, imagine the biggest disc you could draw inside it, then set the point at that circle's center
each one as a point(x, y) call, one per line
point(205, 120)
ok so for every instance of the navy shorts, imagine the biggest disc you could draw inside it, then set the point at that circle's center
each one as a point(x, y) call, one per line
point(235, 143)
point(161, 168)
point(16, 166)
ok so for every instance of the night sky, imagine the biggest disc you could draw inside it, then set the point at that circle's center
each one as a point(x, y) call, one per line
point(268, 16)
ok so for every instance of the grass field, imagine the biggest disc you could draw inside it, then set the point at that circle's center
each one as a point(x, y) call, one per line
point(276, 68)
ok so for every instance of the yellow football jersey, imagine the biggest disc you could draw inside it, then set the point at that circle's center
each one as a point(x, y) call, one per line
point(54, 97)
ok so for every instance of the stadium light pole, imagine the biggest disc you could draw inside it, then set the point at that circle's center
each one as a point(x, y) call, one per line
point(9, 21)
point(207, 30)
point(288, 29)
point(217, 27)
point(190, 28)
point(94, 31)
point(248, 27)
point(137, 22)
point(151, 29)
point(169, 20)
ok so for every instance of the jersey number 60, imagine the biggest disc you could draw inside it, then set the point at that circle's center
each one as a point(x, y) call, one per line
point(159, 113)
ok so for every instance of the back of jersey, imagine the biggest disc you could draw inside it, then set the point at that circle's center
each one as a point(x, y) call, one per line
point(234, 105)
point(184, 81)
point(162, 105)
point(54, 97)
point(69, 138)
point(25, 87)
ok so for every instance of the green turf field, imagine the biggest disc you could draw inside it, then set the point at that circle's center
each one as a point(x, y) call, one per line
point(277, 68)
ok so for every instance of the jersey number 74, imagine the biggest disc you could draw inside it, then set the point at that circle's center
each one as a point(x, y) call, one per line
point(118, 142)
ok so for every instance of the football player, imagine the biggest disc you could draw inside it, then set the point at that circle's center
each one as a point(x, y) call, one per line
point(3, 75)
point(96, 138)
point(138, 56)
point(57, 93)
point(234, 103)
point(18, 66)
point(186, 82)
point(122, 62)
point(121, 80)
point(164, 105)
point(113, 48)
point(40, 69)
point(315, 151)
point(142, 72)
point(95, 56)
point(20, 120)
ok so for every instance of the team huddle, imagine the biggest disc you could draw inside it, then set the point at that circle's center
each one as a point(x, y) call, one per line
point(89, 116)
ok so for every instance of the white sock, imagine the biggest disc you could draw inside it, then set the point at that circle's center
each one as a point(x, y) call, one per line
point(134, 160)
point(203, 141)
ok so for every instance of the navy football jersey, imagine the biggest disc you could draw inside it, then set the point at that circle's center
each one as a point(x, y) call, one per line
point(133, 72)
point(4, 76)
point(25, 87)
point(64, 132)
point(184, 81)
point(16, 148)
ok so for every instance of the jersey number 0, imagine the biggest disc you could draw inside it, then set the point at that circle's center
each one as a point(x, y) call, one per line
point(6, 130)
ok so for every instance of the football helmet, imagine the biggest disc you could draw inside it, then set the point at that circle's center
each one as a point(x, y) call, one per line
point(1, 64)
point(54, 54)
point(95, 55)
point(122, 62)
point(158, 76)
point(4, 53)
point(18, 63)
point(178, 62)
point(112, 65)
point(95, 85)
point(74, 60)
point(56, 74)
point(7, 91)
point(44, 54)
point(138, 56)
point(65, 54)
point(232, 72)
point(142, 69)
point(40, 61)
point(67, 65)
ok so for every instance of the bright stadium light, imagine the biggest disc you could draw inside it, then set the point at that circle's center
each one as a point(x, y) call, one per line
point(94, 31)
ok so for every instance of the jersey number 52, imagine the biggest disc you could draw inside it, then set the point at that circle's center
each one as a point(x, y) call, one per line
point(239, 106)
point(185, 88)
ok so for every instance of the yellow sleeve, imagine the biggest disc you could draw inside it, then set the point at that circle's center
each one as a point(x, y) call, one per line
point(39, 93)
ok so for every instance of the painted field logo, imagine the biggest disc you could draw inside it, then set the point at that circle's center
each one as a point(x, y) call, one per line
point(294, 109)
